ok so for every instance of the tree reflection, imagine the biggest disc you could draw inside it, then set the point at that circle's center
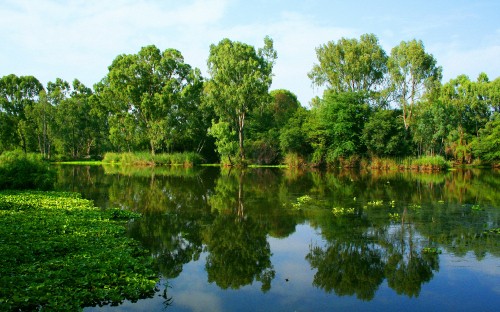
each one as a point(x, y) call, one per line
point(173, 239)
point(407, 267)
point(237, 245)
point(238, 253)
point(347, 269)
point(229, 214)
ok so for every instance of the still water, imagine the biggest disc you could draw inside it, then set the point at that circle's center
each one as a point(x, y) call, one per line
point(283, 240)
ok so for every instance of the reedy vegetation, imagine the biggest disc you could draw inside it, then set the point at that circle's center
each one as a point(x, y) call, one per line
point(376, 106)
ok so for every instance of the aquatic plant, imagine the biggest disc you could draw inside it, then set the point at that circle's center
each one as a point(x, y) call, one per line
point(302, 200)
point(414, 206)
point(60, 253)
point(431, 250)
point(476, 207)
point(375, 203)
point(492, 231)
point(394, 216)
point(340, 211)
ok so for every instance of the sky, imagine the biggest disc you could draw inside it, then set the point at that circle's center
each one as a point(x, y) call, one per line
point(79, 39)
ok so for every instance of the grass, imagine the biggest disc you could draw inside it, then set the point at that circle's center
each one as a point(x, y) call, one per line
point(424, 163)
point(145, 159)
point(60, 253)
point(81, 162)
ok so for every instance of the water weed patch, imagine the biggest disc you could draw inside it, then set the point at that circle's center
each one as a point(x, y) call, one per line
point(60, 253)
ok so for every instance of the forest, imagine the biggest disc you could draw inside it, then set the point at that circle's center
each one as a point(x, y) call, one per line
point(376, 106)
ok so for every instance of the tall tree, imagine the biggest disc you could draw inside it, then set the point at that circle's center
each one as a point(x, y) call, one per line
point(158, 92)
point(240, 81)
point(41, 115)
point(350, 65)
point(16, 94)
point(470, 109)
point(412, 72)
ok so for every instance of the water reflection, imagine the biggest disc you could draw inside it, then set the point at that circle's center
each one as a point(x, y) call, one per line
point(374, 226)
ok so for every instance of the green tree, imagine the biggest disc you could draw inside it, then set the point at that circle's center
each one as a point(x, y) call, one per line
point(486, 145)
point(225, 141)
point(412, 72)
point(350, 65)
point(432, 125)
point(41, 114)
point(293, 138)
point(75, 134)
point(153, 95)
point(336, 126)
point(16, 94)
point(470, 109)
point(240, 81)
point(265, 124)
point(384, 136)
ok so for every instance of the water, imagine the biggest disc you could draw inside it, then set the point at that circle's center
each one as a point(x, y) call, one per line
point(281, 240)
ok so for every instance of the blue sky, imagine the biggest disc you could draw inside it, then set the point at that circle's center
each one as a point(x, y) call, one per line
point(79, 39)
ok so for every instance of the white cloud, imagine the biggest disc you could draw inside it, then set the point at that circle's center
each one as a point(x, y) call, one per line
point(79, 39)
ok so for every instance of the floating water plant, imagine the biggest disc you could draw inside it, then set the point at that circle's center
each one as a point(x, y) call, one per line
point(302, 200)
point(375, 203)
point(394, 216)
point(60, 253)
point(340, 211)
point(431, 250)
point(477, 208)
point(492, 231)
point(415, 206)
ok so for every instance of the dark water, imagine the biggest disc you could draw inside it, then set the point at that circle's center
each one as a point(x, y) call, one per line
point(280, 240)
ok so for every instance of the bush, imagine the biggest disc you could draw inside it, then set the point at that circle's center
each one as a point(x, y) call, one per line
point(294, 160)
point(25, 171)
point(187, 159)
point(426, 163)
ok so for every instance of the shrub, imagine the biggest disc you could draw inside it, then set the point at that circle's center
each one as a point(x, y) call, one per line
point(25, 171)
point(187, 159)
point(426, 163)
point(294, 160)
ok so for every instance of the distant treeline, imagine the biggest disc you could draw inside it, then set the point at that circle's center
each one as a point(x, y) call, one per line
point(375, 105)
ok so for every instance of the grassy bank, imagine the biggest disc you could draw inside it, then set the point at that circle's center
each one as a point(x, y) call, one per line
point(60, 253)
point(147, 159)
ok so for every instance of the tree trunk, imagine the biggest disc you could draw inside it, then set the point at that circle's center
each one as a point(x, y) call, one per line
point(241, 124)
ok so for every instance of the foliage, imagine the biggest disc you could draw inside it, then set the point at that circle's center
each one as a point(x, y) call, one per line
point(429, 163)
point(486, 146)
point(412, 72)
point(187, 159)
point(294, 160)
point(384, 135)
point(336, 127)
point(350, 65)
point(154, 97)
point(60, 253)
point(16, 95)
point(225, 141)
point(293, 138)
point(153, 100)
point(240, 80)
point(25, 171)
